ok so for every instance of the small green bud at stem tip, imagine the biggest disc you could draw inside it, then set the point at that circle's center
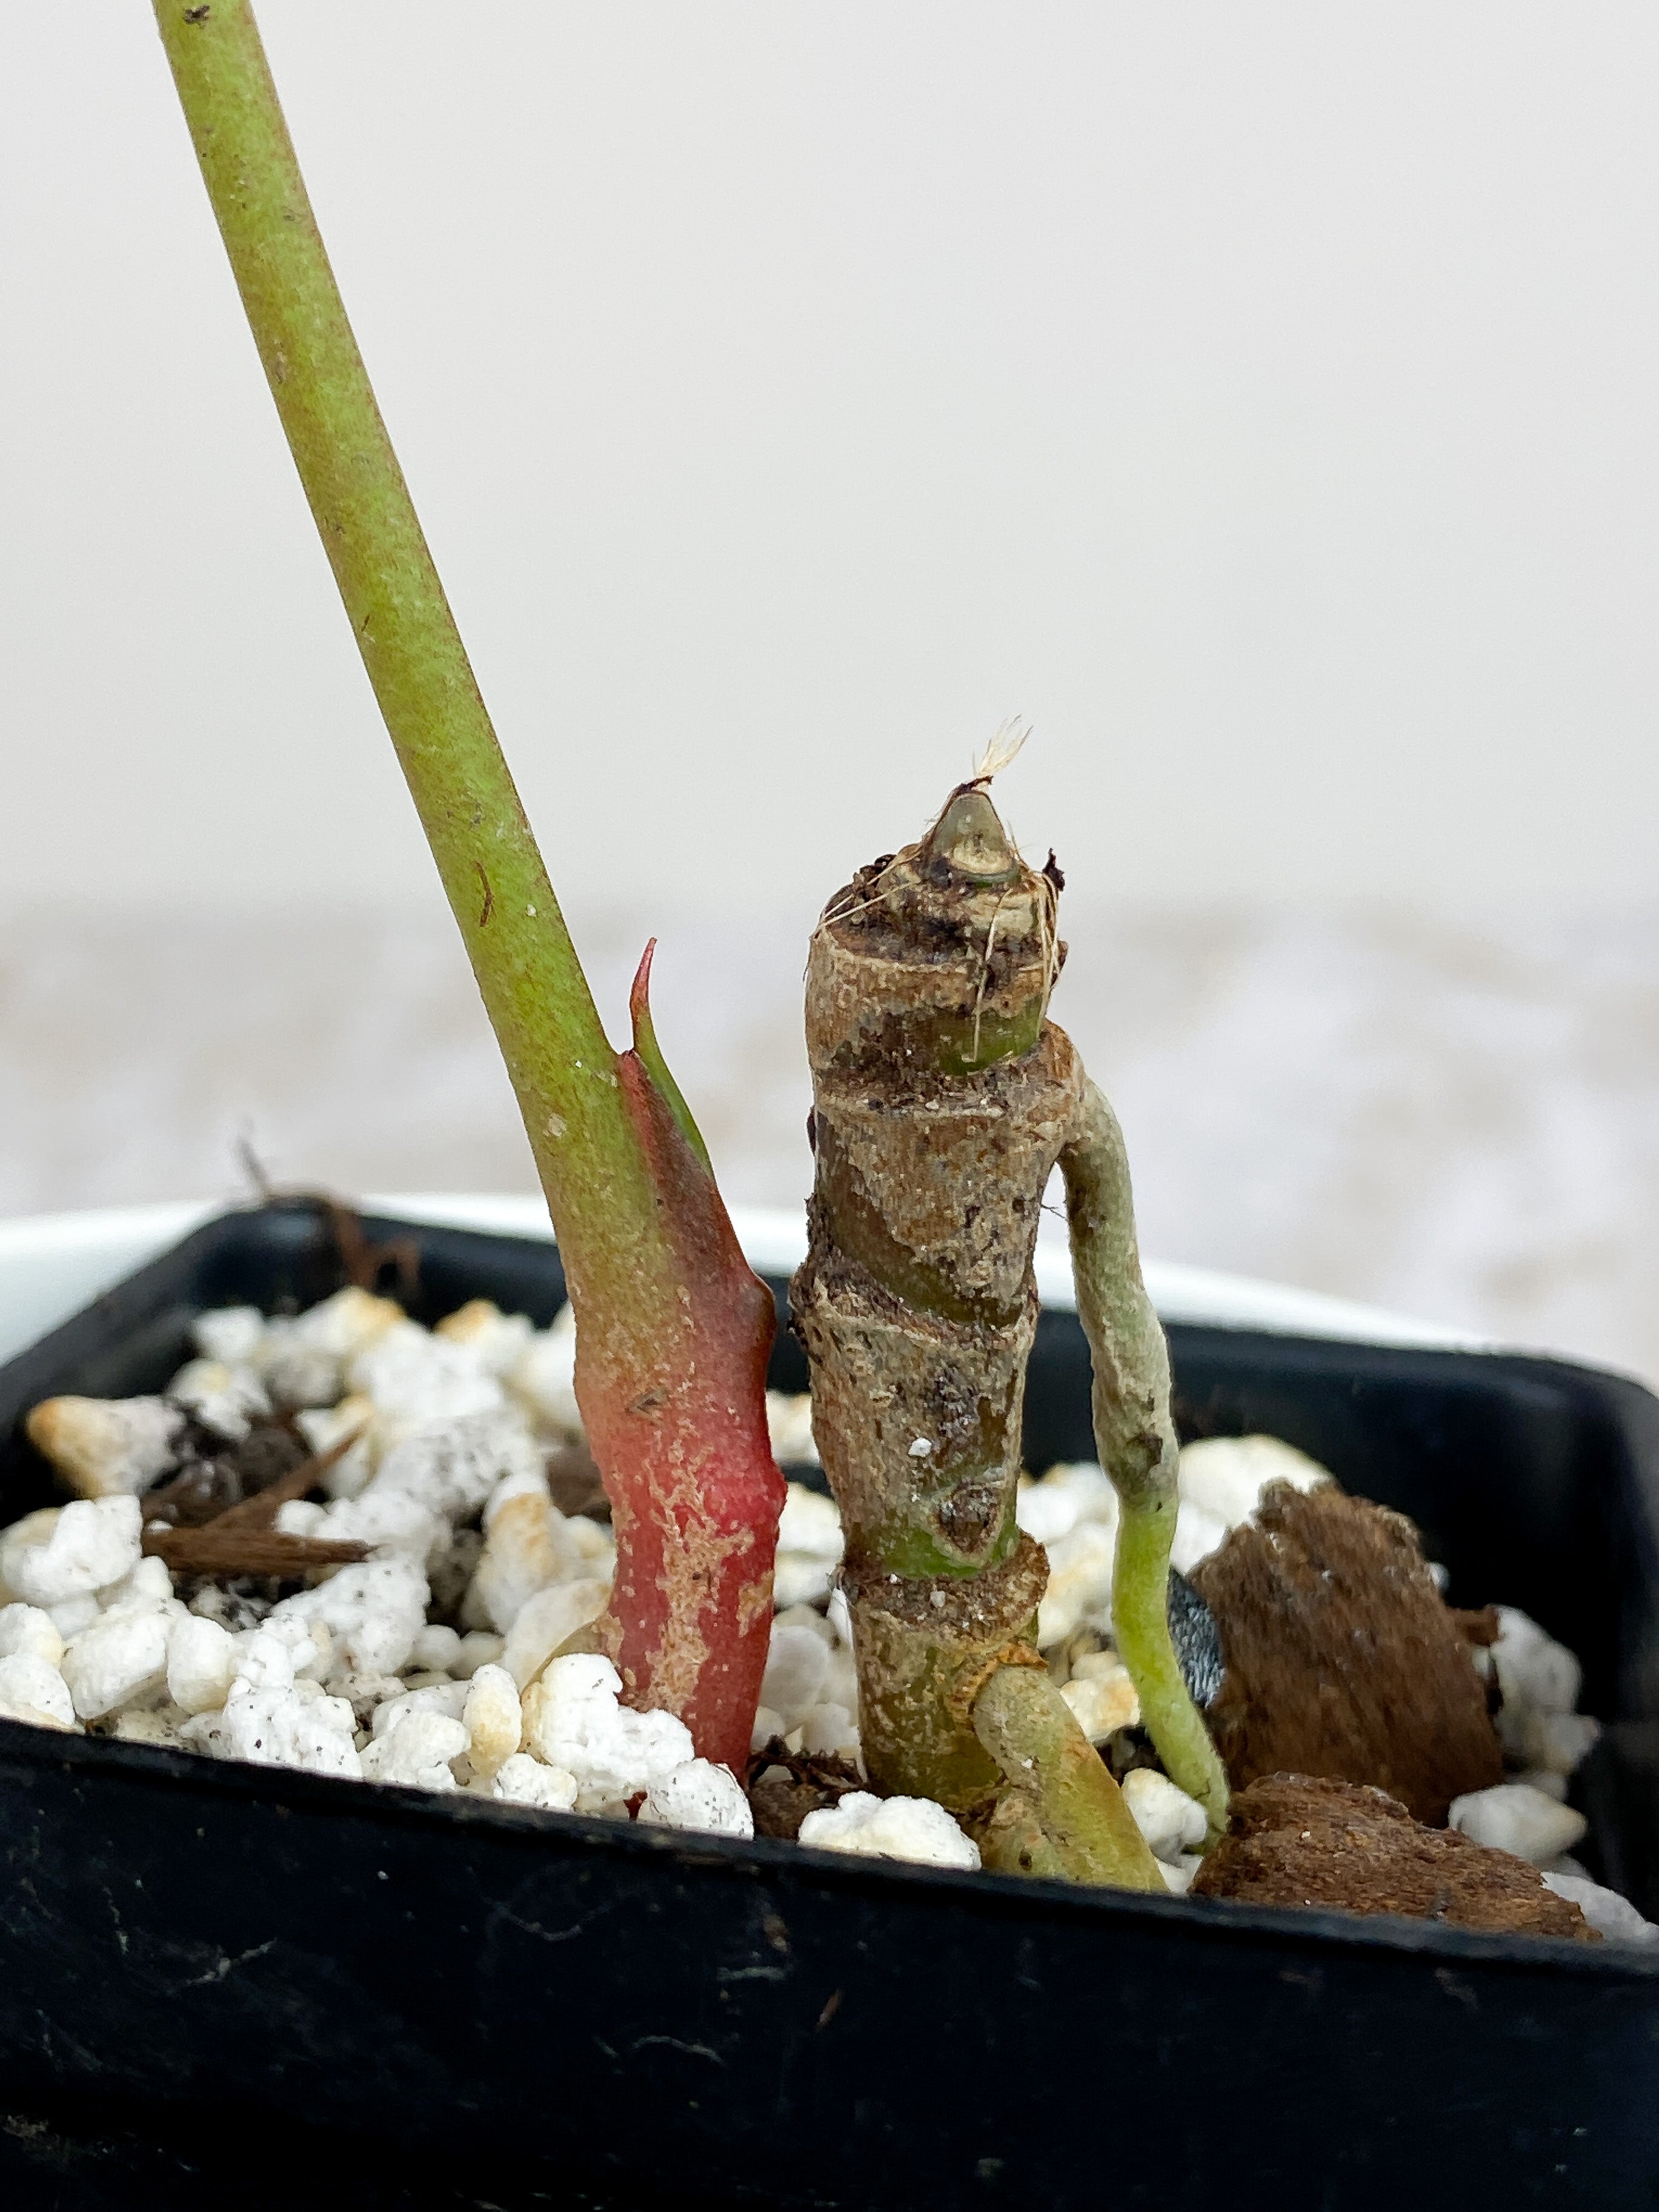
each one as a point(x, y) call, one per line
point(969, 838)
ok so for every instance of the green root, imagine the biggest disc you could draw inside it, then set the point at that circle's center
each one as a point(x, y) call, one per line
point(1062, 1809)
point(1135, 1439)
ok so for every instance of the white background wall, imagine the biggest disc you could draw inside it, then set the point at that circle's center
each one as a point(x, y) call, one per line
point(1262, 399)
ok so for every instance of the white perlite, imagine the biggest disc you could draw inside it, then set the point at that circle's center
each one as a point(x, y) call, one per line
point(1512, 1816)
point(201, 1664)
point(797, 1666)
point(281, 1728)
point(26, 1628)
point(525, 1781)
point(1051, 1509)
point(1073, 1513)
point(448, 1698)
point(104, 1447)
point(809, 1693)
point(1615, 1916)
point(477, 1648)
point(498, 1341)
point(120, 1660)
point(417, 1380)
point(442, 1443)
point(436, 1649)
point(418, 1750)
point(1171, 1820)
point(700, 1796)
point(543, 1380)
point(1226, 1476)
point(547, 1620)
point(71, 1551)
point(223, 1399)
point(830, 1730)
point(493, 1720)
point(530, 1547)
point(810, 1546)
point(1101, 1695)
point(1539, 1680)
point(1079, 1592)
point(789, 1425)
point(573, 1718)
point(276, 1714)
point(768, 1725)
point(230, 1334)
point(889, 1828)
point(32, 1689)
point(375, 1611)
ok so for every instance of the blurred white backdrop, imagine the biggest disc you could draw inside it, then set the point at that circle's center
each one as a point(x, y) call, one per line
point(1260, 400)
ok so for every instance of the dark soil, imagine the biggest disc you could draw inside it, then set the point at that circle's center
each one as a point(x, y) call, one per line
point(215, 1476)
point(575, 1483)
point(1297, 1840)
point(785, 1786)
point(1341, 1658)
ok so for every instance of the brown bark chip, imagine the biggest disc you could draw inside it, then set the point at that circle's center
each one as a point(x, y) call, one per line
point(242, 1539)
point(1296, 1840)
point(1341, 1659)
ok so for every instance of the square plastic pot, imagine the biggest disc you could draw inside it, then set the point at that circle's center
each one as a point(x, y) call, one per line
point(222, 1983)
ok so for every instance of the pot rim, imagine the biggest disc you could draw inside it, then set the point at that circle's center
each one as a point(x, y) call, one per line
point(333, 1800)
point(53, 1264)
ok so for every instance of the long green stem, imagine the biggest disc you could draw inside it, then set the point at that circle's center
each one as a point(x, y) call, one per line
point(1135, 1438)
point(673, 1329)
point(592, 1163)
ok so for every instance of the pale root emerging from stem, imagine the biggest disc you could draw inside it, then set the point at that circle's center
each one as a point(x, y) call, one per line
point(1135, 1439)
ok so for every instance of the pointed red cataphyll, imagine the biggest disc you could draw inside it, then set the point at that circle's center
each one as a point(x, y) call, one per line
point(695, 1493)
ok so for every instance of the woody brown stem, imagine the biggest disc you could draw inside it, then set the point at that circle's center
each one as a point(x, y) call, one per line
point(940, 1101)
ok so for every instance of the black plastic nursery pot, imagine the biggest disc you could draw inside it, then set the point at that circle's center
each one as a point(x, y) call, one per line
point(228, 1982)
